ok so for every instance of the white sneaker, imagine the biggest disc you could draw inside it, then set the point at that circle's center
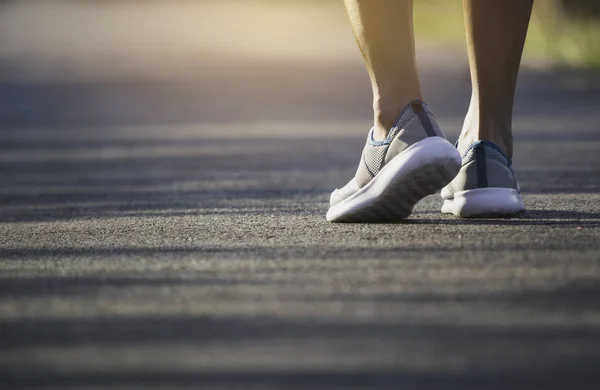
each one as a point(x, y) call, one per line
point(486, 185)
point(414, 161)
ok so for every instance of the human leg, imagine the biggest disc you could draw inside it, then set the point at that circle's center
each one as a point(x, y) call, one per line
point(486, 185)
point(407, 156)
point(496, 32)
point(384, 33)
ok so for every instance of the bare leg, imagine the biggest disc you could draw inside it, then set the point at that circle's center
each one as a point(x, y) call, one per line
point(384, 33)
point(496, 32)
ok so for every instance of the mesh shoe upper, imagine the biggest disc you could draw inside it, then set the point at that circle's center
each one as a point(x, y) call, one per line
point(416, 122)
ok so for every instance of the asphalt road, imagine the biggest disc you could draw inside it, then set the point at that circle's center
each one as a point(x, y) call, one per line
point(170, 233)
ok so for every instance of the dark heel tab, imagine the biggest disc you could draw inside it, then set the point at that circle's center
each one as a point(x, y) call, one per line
point(417, 107)
point(480, 164)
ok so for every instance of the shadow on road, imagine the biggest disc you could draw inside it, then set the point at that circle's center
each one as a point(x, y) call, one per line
point(513, 342)
point(530, 217)
point(389, 379)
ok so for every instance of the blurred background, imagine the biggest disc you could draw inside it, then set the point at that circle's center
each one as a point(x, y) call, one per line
point(67, 62)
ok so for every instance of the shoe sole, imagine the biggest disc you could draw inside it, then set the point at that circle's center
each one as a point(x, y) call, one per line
point(484, 202)
point(422, 169)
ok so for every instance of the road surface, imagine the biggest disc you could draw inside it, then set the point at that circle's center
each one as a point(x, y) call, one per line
point(169, 232)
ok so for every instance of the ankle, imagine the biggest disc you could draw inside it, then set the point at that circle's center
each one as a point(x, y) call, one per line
point(502, 139)
point(386, 116)
point(493, 124)
point(381, 129)
point(384, 121)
